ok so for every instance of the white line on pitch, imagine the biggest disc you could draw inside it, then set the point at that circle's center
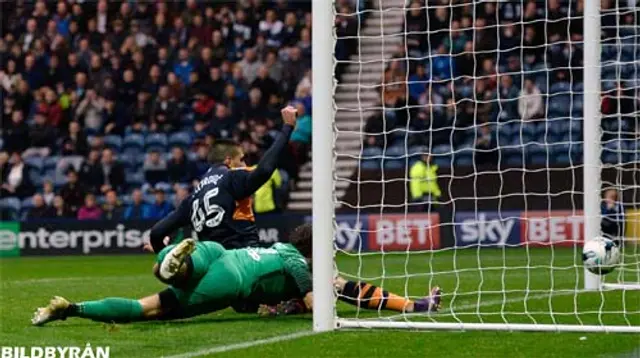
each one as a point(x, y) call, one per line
point(287, 337)
point(469, 306)
point(232, 347)
point(72, 279)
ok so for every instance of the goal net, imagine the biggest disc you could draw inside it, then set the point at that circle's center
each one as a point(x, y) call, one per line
point(475, 146)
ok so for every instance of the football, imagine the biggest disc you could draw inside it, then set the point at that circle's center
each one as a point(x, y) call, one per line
point(600, 255)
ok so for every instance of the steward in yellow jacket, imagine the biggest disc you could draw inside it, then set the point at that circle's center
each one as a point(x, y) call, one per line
point(424, 180)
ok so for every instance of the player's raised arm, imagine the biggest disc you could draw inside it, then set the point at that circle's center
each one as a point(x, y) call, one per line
point(169, 224)
point(245, 183)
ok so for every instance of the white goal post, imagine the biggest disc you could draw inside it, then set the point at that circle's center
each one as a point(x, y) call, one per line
point(366, 220)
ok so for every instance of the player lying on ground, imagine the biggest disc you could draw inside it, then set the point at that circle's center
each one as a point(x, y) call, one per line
point(213, 279)
point(219, 209)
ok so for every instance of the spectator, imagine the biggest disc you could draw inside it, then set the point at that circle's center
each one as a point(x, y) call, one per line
point(47, 192)
point(442, 65)
point(301, 136)
point(75, 143)
point(613, 217)
point(138, 210)
point(418, 82)
point(215, 85)
point(296, 68)
point(59, 209)
point(530, 102)
point(424, 181)
point(165, 116)
point(183, 66)
point(16, 133)
point(202, 163)
point(155, 168)
point(160, 208)
point(73, 192)
point(265, 199)
point(112, 173)
point(508, 96)
point(40, 210)
point(112, 208)
point(16, 180)
point(128, 88)
point(90, 210)
point(42, 137)
point(274, 65)
point(51, 109)
point(486, 146)
point(89, 111)
point(249, 65)
point(180, 169)
point(267, 86)
point(90, 172)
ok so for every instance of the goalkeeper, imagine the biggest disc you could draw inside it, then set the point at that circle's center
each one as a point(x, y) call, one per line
point(211, 278)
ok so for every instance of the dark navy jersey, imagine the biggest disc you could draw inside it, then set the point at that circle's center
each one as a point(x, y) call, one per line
point(219, 209)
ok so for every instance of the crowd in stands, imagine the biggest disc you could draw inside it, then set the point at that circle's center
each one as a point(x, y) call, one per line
point(495, 78)
point(108, 108)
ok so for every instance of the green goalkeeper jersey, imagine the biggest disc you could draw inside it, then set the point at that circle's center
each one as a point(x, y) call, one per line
point(272, 275)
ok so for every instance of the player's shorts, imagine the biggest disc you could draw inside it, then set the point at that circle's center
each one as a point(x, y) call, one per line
point(215, 283)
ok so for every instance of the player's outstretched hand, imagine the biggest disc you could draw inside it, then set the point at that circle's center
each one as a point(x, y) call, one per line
point(289, 115)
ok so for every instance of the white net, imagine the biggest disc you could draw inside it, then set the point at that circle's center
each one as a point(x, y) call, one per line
point(459, 159)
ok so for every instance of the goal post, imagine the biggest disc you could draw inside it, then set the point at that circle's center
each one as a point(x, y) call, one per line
point(499, 107)
point(322, 162)
point(592, 133)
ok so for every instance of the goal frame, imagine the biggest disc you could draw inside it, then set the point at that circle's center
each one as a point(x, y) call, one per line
point(324, 306)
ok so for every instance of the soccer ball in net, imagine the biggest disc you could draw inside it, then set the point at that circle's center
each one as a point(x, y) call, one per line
point(600, 255)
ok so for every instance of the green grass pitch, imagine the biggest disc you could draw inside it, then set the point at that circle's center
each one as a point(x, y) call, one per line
point(490, 294)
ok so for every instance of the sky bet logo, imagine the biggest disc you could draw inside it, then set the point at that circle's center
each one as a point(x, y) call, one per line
point(487, 229)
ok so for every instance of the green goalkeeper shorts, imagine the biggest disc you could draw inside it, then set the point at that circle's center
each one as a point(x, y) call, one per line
point(215, 282)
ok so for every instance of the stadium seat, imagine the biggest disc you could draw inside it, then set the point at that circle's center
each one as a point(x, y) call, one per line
point(395, 152)
point(26, 204)
point(36, 163)
point(560, 87)
point(59, 181)
point(180, 139)
point(36, 177)
point(133, 141)
point(443, 161)
point(11, 206)
point(371, 153)
point(370, 164)
point(135, 179)
point(149, 198)
point(166, 187)
point(157, 141)
point(559, 106)
point(126, 200)
point(578, 87)
point(50, 163)
point(393, 164)
point(114, 142)
point(128, 160)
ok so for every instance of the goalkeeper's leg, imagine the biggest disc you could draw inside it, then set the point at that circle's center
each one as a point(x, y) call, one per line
point(110, 310)
point(184, 264)
point(365, 295)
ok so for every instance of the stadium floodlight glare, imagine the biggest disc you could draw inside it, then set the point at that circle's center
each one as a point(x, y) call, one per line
point(510, 282)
